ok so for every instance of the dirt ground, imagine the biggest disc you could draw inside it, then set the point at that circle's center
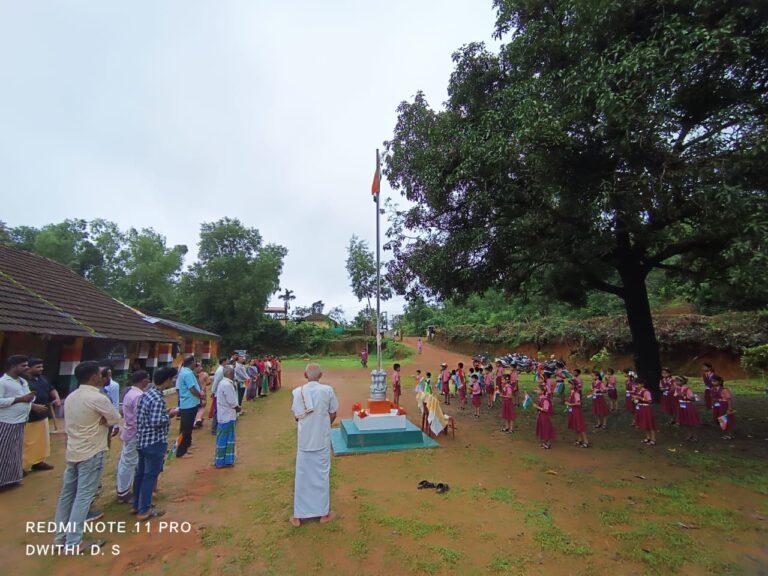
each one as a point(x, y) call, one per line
point(618, 508)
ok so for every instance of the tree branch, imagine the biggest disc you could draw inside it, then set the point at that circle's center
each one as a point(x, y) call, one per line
point(678, 248)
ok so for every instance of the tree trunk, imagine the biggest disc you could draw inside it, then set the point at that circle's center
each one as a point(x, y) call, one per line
point(646, 347)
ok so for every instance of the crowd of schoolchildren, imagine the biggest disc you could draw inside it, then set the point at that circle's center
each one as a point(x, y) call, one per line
point(554, 383)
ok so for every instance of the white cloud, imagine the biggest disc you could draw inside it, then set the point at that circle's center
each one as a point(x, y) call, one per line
point(170, 114)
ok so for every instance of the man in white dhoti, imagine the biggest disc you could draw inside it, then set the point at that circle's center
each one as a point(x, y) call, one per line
point(314, 408)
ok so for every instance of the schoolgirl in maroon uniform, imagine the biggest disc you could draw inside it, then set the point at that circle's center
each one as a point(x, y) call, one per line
point(445, 380)
point(514, 380)
point(490, 385)
point(507, 406)
point(644, 408)
point(549, 389)
point(610, 388)
point(477, 392)
point(707, 375)
point(721, 406)
point(462, 391)
point(544, 429)
point(668, 401)
point(687, 413)
point(500, 377)
point(599, 405)
point(576, 380)
point(576, 420)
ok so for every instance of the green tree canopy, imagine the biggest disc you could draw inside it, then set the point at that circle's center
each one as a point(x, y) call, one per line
point(604, 140)
point(227, 289)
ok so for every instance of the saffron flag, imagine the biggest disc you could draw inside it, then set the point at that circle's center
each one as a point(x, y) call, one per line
point(376, 186)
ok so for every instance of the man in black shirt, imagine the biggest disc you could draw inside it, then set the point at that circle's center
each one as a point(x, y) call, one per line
point(37, 444)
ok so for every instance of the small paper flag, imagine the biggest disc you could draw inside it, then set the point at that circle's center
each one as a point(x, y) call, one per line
point(723, 422)
point(527, 401)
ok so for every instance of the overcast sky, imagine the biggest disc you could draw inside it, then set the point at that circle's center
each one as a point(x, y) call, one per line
point(169, 114)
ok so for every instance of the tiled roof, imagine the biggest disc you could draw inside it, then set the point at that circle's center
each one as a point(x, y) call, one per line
point(41, 296)
point(318, 318)
point(180, 326)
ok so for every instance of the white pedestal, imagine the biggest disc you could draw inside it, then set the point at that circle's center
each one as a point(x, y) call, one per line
point(391, 421)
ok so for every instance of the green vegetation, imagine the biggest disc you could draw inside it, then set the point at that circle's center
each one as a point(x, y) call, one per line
point(559, 163)
point(344, 361)
point(755, 360)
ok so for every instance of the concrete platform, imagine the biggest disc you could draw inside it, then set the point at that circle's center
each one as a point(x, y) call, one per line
point(349, 439)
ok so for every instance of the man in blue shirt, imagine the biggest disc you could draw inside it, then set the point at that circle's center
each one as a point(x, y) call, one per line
point(189, 402)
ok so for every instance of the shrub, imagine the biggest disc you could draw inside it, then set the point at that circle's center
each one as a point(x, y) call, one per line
point(755, 360)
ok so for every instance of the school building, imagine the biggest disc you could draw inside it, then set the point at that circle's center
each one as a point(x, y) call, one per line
point(48, 311)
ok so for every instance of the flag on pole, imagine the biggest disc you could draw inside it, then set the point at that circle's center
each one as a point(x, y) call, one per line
point(376, 186)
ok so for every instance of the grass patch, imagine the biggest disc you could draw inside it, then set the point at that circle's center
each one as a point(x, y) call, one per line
point(413, 527)
point(359, 549)
point(531, 460)
point(502, 495)
point(507, 565)
point(346, 361)
point(553, 538)
point(215, 535)
point(447, 555)
point(360, 491)
point(613, 517)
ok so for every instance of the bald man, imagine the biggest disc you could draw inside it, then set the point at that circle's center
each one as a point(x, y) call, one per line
point(314, 408)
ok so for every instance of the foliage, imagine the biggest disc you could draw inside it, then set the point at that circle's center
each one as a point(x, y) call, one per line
point(227, 288)
point(151, 271)
point(602, 141)
point(134, 266)
point(600, 357)
point(736, 331)
point(361, 268)
point(755, 360)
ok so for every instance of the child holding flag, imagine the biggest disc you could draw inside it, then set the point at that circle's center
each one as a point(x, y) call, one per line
point(722, 411)
point(544, 429)
point(507, 406)
point(687, 414)
point(599, 405)
point(576, 420)
point(645, 419)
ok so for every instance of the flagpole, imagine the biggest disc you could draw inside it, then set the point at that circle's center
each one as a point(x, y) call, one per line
point(378, 267)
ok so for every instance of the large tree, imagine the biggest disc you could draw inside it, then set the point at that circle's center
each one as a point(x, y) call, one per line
point(603, 140)
point(227, 289)
point(151, 271)
point(361, 268)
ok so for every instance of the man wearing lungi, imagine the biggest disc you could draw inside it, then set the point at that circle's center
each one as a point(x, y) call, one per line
point(314, 408)
point(15, 404)
point(37, 440)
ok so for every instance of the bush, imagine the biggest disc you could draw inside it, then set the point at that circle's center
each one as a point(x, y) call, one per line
point(393, 350)
point(734, 330)
point(755, 360)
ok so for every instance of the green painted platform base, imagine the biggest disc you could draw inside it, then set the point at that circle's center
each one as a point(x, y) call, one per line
point(348, 439)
